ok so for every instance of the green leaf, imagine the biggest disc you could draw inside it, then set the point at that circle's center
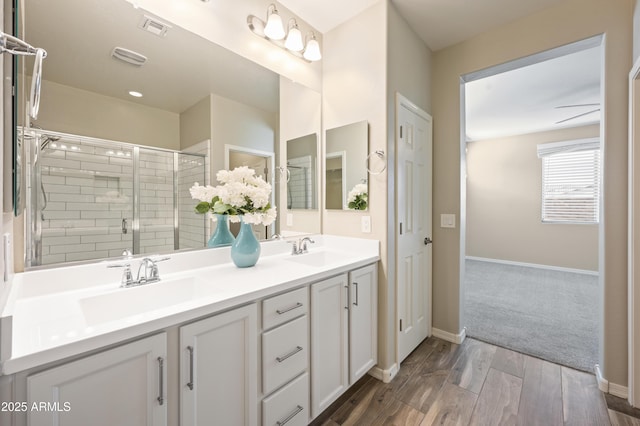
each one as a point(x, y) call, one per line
point(202, 207)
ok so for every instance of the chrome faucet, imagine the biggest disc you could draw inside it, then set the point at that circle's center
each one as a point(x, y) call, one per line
point(147, 272)
point(300, 247)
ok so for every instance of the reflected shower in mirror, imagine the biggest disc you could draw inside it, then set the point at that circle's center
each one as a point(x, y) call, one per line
point(302, 185)
point(345, 167)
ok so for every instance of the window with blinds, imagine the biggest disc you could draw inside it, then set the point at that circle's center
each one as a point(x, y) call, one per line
point(570, 182)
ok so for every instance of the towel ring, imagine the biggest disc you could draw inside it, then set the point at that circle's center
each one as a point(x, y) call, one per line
point(379, 153)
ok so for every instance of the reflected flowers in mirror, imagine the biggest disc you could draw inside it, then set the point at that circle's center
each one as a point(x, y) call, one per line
point(358, 197)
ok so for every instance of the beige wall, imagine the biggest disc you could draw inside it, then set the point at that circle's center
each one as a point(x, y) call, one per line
point(70, 110)
point(504, 196)
point(195, 123)
point(409, 65)
point(566, 22)
point(234, 123)
point(354, 89)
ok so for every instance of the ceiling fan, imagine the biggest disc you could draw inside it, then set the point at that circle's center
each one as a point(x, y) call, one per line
point(578, 115)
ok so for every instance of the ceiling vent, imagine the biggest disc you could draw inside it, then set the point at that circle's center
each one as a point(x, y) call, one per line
point(128, 56)
point(154, 26)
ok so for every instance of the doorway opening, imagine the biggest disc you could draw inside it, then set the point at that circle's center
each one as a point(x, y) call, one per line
point(531, 145)
point(263, 163)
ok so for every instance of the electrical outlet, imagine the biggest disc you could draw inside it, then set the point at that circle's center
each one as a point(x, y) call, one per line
point(289, 219)
point(365, 224)
point(447, 221)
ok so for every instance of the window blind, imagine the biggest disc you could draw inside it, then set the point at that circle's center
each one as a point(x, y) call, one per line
point(571, 185)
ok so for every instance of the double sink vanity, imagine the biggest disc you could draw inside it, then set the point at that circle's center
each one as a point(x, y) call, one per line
point(208, 343)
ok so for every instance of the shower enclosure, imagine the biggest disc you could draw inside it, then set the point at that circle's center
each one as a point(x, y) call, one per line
point(90, 198)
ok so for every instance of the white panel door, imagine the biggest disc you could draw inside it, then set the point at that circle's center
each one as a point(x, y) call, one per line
point(329, 340)
point(219, 368)
point(363, 321)
point(125, 386)
point(413, 228)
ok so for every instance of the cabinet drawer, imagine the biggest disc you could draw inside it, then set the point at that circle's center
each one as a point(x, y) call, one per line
point(280, 309)
point(284, 354)
point(290, 405)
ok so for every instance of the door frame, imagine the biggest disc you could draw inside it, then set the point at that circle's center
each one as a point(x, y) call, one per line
point(633, 244)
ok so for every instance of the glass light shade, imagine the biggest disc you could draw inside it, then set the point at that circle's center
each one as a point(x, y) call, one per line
point(294, 40)
point(274, 29)
point(312, 52)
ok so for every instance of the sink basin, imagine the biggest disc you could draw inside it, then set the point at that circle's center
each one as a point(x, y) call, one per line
point(318, 258)
point(126, 302)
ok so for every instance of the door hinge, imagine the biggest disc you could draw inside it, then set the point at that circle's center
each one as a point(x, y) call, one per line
point(400, 325)
point(400, 132)
point(400, 228)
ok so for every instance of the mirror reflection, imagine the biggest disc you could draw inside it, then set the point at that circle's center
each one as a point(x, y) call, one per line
point(345, 167)
point(129, 120)
point(302, 184)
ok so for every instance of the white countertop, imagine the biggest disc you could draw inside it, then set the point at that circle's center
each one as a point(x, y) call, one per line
point(57, 313)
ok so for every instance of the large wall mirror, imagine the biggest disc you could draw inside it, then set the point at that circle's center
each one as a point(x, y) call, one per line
point(134, 110)
point(345, 167)
point(302, 172)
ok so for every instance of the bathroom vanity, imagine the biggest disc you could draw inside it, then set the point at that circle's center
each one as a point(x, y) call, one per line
point(207, 344)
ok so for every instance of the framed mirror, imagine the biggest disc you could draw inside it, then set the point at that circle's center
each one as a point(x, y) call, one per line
point(302, 170)
point(345, 167)
point(133, 108)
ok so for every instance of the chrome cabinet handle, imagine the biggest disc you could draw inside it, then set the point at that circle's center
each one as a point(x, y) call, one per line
point(356, 301)
point(284, 311)
point(347, 299)
point(124, 226)
point(290, 416)
point(161, 371)
point(289, 355)
point(190, 384)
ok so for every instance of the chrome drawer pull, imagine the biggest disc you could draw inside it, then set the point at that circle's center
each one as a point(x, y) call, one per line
point(161, 371)
point(284, 311)
point(290, 354)
point(290, 416)
point(190, 384)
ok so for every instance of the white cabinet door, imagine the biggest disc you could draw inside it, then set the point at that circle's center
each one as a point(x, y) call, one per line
point(329, 351)
point(363, 321)
point(219, 368)
point(125, 386)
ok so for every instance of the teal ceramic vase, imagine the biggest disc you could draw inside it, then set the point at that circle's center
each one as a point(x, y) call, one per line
point(221, 236)
point(245, 250)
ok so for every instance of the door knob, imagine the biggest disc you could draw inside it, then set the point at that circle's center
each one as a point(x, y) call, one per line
point(427, 241)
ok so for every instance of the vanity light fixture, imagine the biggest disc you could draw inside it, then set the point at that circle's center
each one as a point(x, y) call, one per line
point(274, 29)
point(294, 37)
point(291, 40)
point(312, 52)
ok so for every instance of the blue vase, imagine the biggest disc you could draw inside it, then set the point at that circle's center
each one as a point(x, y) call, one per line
point(245, 250)
point(221, 236)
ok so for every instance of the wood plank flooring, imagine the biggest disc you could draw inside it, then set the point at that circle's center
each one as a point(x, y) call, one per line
point(476, 383)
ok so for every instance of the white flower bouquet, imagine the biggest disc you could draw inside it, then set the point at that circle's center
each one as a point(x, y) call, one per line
point(242, 193)
point(358, 197)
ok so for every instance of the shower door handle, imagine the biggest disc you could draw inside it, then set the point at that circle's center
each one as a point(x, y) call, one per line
point(124, 226)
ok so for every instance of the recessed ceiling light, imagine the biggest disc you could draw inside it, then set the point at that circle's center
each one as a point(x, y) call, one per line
point(135, 94)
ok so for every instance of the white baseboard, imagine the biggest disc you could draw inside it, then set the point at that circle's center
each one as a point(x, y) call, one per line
point(384, 375)
point(603, 384)
point(449, 337)
point(533, 265)
point(612, 388)
point(619, 390)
